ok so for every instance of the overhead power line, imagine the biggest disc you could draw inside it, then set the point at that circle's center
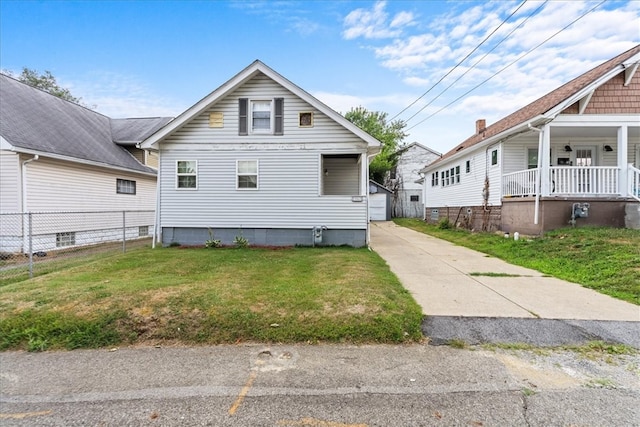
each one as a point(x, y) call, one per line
point(507, 66)
point(478, 61)
point(461, 61)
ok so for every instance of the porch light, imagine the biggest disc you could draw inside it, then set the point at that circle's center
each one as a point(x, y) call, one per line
point(608, 148)
point(568, 148)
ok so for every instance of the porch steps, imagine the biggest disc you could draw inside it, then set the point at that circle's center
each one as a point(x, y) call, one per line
point(632, 216)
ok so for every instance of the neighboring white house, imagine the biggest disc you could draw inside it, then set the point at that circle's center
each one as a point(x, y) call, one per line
point(405, 180)
point(59, 156)
point(261, 158)
point(571, 156)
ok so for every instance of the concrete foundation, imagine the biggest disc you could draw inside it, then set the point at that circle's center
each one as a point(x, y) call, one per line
point(518, 213)
point(263, 236)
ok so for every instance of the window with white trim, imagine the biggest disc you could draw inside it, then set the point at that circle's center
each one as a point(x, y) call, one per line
point(247, 174)
point(494, 157)
point(125, 186)
point(187, 174)
point(261, 116)
point(467, 167)
point(434, 179)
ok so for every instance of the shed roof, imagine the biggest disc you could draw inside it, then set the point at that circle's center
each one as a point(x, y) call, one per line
point(32, 120)
point(546, 103)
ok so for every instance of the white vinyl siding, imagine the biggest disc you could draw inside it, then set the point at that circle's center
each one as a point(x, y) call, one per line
point(197, 134)
point(10, 182)
point(469, 191)
point(288, 197)
point(54, 185)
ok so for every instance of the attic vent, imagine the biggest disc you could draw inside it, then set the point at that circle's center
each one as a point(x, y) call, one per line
point(216, 119)
point(460, 148)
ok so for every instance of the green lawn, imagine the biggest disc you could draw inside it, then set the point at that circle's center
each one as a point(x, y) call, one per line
point(196, 295)
point(604, 259)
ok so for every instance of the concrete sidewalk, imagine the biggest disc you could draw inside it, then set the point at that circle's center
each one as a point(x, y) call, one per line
point(438, 275)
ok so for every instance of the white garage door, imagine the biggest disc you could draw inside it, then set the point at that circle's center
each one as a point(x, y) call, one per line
point(378, 207)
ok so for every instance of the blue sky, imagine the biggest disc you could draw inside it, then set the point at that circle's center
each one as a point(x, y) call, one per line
point(157, 58)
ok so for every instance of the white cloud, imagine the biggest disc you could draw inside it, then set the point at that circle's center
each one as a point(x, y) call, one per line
point(374, 23)
point(120, 96)
point(517, 70)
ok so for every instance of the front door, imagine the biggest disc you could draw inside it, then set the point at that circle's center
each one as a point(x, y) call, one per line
point(584, 158)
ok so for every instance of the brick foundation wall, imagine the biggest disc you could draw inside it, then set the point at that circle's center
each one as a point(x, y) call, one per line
point(468, 217)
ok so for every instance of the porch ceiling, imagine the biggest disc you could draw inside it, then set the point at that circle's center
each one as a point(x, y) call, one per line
point(584, 132)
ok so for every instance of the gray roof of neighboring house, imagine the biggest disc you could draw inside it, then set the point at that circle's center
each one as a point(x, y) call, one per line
point(133, 131)
point(33, 120)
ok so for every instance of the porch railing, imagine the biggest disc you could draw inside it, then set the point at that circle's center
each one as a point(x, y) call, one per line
point(634, 182)
point(584, 180)
point(520, 184)
point(571, 180)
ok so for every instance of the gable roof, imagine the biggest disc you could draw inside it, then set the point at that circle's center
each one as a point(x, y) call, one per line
point(554, 102)
point(34, 121)
point(239, 79)
point(417, 144)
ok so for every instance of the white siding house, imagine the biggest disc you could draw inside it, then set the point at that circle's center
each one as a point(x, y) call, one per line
point(570, 157)
point(56, 156)
point(261, 158)
point(405, 180)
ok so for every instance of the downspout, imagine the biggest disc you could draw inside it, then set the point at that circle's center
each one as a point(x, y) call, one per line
point(23, 171)
point(536, 210)
point(156, 225)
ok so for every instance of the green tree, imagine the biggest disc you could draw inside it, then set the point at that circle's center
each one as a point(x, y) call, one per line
point(46, 82)
point(390, 134)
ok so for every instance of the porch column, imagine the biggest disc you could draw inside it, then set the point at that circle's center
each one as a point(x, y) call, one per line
point(545, 159)
point(623, 156)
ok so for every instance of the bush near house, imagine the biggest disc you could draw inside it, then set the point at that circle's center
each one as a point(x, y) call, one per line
point(211, 296)
point(604, 259)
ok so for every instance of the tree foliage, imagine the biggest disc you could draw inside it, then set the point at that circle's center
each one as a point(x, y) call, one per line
point(390, 134)
point(46, 82)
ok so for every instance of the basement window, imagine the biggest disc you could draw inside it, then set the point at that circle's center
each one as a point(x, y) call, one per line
point(65, 239)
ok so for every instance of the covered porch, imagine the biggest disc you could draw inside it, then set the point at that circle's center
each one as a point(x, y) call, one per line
point(584, 161)
point(580, 156)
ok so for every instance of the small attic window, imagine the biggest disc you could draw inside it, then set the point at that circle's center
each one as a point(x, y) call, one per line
point(305, 119)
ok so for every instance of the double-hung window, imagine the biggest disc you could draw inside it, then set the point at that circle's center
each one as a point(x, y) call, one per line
point(434, 179)
point(261, 116)
point(247, 174)
point(187, 174)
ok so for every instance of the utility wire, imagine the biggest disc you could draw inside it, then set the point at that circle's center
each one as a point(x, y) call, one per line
point(507, 66)
point(458, 64)
point(479, 61)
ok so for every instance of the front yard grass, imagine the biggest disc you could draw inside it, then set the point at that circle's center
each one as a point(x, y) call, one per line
point(211, 296)
point(604, 259)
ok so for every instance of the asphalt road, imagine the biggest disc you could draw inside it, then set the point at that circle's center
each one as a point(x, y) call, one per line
point(537, 332)
point(320, 386)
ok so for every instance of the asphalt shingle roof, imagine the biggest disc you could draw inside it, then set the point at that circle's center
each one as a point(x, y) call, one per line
point(31, 119)
point(544, 104)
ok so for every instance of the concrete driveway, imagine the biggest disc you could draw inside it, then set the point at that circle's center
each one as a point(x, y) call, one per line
point(449, 280)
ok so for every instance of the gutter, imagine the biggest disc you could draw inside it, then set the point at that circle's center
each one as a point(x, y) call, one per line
point(81, 161)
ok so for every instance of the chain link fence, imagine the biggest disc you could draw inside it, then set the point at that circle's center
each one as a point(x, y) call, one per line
point(34, 243)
